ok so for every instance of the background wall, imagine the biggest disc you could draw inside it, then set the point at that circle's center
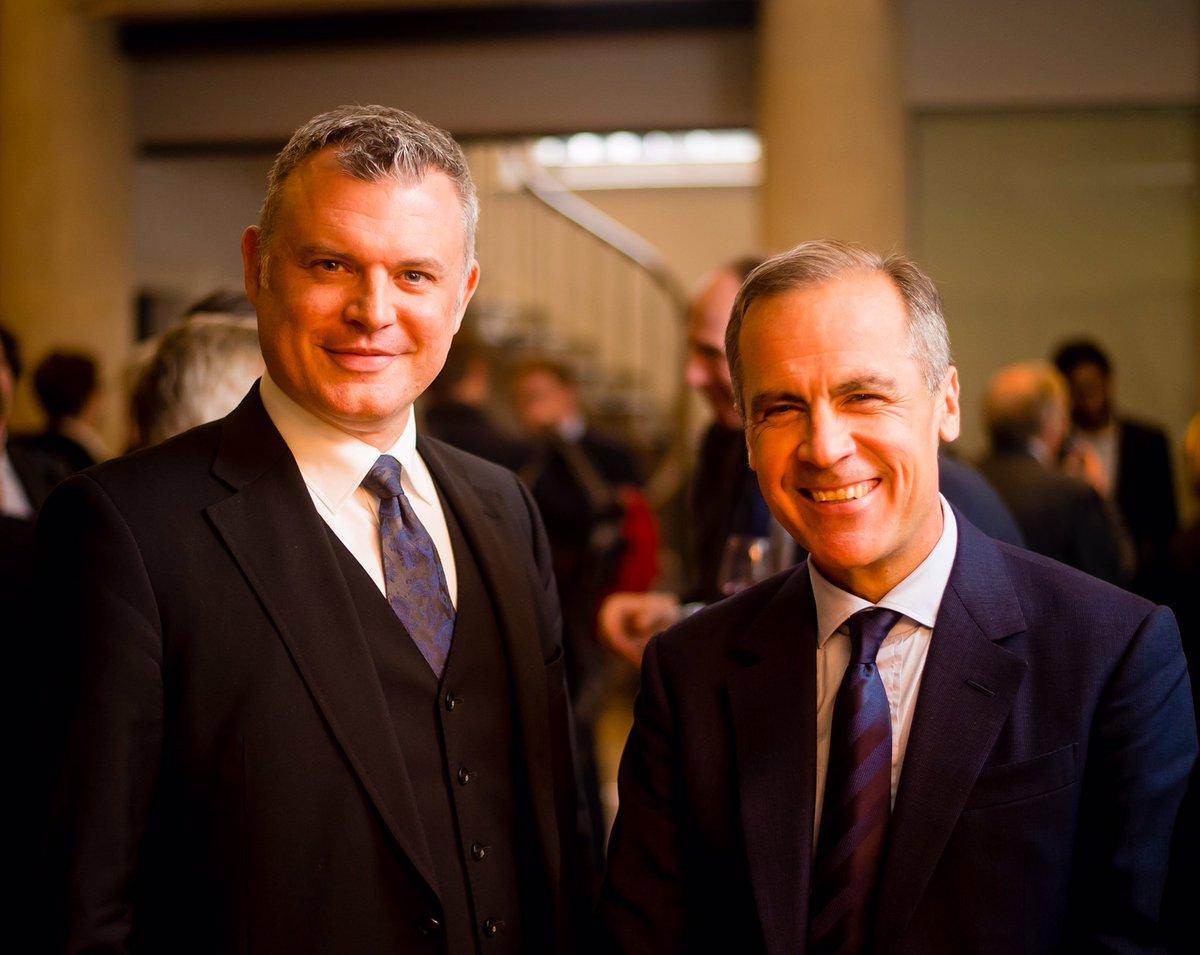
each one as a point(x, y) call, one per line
point(1039, 226)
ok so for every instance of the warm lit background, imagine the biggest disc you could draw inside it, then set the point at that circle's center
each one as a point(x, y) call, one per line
point(1038, 158)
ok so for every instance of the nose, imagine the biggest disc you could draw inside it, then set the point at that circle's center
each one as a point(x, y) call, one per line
point(829, 439)
point(371, 308)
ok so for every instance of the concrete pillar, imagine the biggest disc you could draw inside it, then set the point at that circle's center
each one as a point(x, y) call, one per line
point(831, 115)
point(66, 165)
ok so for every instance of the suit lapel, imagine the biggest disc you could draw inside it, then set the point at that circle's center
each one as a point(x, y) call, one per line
point(967, 689)
point(773, 702)
point(518, 601)
point(280, 544)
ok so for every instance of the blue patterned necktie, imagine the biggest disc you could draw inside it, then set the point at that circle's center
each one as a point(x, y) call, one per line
point(416, 585)
point(858, 789)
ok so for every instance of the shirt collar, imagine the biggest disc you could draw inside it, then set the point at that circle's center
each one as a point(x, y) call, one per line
point(334, 463)
point(918, 596)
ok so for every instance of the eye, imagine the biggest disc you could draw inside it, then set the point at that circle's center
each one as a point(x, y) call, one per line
point(329, 266)
point(413, 277)
point(863, 397)
point(775, 411)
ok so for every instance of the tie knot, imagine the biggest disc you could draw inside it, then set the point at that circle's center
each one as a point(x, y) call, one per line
point(868, 628)
point(383, 480)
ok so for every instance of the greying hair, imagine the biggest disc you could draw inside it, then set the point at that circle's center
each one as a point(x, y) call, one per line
point(373, 143)
point(812, 263)
point(199, 372)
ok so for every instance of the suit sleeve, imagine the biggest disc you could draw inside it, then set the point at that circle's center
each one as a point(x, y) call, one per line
point(106, 662)
point(1142, 751)
point(641, 903)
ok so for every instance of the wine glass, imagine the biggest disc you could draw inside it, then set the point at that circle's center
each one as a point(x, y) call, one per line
point(745, 561)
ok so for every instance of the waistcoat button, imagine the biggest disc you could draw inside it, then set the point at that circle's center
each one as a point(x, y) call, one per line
point(491, 927)
point(452, 701)
point(479, 851)
point(429, 926)
point(464, 775)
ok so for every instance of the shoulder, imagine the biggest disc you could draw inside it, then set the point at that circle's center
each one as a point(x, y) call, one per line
point(1052, 592)
point(709, 638)
point(477, 469)
point(157, 479)
point(1142, 434)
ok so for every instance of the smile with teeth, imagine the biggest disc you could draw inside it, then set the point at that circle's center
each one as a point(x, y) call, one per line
point(850, 492)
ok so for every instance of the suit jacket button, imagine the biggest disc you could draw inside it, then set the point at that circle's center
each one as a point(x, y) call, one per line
point(452, 701)
point(492, 926)
point(464, 775)
point(479, 851)
point(429, 926)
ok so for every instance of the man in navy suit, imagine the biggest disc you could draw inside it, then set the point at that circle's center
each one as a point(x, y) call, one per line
point(921, 739)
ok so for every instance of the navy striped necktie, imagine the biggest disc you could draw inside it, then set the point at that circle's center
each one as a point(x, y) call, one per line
point(858, 789)
point(415, 582)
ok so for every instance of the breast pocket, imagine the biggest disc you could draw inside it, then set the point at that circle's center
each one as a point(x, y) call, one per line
point(1010, 782)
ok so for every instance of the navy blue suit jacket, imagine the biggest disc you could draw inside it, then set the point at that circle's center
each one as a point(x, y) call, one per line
point(1050, 749)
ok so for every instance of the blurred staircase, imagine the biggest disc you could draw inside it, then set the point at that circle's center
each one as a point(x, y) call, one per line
point(562, 279)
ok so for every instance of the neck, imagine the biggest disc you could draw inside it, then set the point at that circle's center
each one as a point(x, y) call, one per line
point(873, 583)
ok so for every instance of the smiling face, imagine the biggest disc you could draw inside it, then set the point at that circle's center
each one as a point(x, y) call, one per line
point(842, 430)
point(365, 291)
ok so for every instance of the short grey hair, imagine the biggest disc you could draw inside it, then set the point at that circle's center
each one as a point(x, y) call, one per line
point(373, 143)
point(812, 263)
point(199, 372)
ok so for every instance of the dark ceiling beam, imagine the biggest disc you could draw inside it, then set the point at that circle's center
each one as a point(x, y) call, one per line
point(156, 37)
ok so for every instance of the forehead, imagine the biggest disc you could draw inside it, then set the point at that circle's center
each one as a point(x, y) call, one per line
point(851, 323)
point(320, 191)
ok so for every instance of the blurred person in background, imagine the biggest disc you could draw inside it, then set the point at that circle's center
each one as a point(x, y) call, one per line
point(724, 497)
point(313, 678)
point(1133, 461)
point(1062, 516)
point(199, 372)
point(726, 500)
point(456, 406)
point(27, 474)
point(26, 477)
point(67, 385)
point(587, 486)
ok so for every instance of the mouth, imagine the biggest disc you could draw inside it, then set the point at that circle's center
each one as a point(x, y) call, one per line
point(360, 359)
point(839, 495)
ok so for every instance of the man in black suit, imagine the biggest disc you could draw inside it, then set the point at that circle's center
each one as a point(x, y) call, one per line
point(1135, 461)
point(921, 740)
point(1060, 515)
point(318, 696)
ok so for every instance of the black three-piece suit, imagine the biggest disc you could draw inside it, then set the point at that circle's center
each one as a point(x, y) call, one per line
point(258, 758)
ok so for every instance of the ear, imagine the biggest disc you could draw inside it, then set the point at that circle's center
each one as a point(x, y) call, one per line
point(948, 407)
point(469, 287)
point(252, 262)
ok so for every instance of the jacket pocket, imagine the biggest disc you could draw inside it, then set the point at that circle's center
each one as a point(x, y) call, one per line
point(1009, 782)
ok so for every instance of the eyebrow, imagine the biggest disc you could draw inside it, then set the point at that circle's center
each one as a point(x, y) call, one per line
point(768, 398)
point(329, 252)
point(868, 382)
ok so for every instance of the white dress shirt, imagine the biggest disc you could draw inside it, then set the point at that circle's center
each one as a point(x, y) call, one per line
point(333, 465)
point(14, 502)
point(901, 659)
